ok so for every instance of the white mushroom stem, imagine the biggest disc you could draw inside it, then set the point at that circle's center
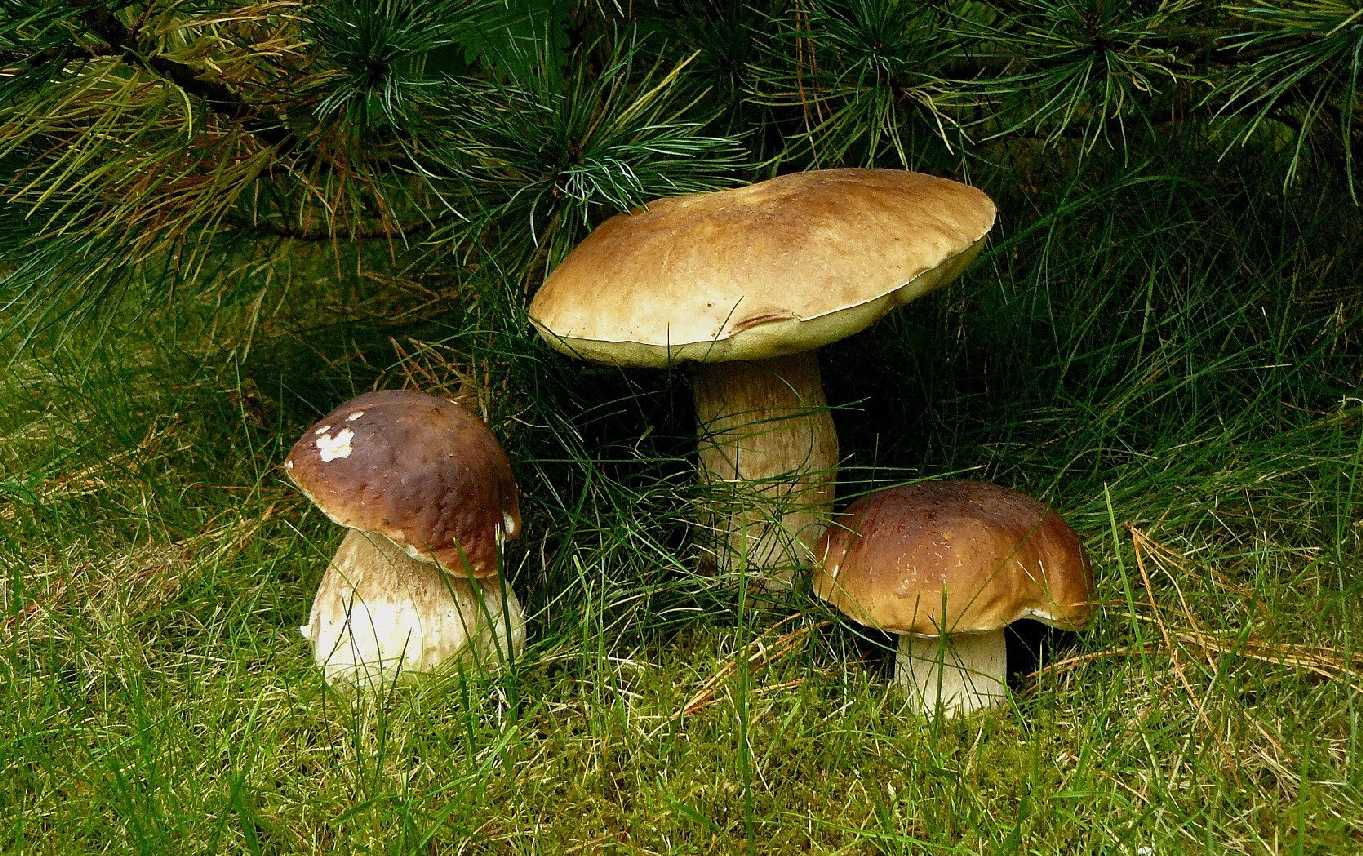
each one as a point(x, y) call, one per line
point(381, 616)
point(965, 671)
point(766, 434)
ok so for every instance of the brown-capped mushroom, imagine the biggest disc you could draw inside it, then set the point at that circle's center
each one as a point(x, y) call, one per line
point(428, 496)
point(747, 283)
point(946, 566)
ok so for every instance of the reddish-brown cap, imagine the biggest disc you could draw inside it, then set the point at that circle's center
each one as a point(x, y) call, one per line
point(420, 470)
point(954, 557)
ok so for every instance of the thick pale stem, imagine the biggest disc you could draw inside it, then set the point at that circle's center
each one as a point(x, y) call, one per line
point(965, 671)
point(766, 435)
point(381, 615)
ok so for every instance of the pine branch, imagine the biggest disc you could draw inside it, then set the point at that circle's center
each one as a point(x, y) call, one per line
point(219, 98)
point(62, 54)
point(382, 231)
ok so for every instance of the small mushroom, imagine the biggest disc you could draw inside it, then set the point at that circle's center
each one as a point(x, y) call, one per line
point(946, 566)
point(747, 283)
point(429, 497)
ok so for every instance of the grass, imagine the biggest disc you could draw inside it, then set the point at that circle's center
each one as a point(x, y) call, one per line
point(1175, 363)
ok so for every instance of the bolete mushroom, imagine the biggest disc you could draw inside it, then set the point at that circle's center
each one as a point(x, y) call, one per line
point(947, 565)
point(747, 283)
point(428, 496)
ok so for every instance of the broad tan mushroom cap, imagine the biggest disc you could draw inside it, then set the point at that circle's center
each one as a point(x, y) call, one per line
point(419, 470)
point(779, 267)
point(987, 554)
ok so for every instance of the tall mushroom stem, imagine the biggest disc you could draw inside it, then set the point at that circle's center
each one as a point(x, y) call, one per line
point(766, 434)
point(966, 671)
point(380, 615)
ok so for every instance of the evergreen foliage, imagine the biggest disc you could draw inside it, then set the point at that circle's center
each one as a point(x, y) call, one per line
point(158, 137)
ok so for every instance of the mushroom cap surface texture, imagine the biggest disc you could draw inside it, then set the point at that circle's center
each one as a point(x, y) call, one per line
point(778, 267)
point(419, 470)
point(954, 557)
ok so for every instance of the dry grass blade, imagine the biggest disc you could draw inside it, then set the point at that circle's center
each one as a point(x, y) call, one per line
point(1079, 660)
point(1159, 554)
point(133, 584)
point(1199, 702)
point(1320, 660)
point(759, 652)
point(1323, 661)
point(440, 370)
point(94, 478)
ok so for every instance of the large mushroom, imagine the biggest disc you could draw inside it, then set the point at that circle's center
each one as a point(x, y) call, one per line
point(428, 496)
point(946, 566)
point(748, 283)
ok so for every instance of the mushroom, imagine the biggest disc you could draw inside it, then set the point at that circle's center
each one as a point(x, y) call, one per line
point(946, 566)
point(747, 283)
point(428, 496)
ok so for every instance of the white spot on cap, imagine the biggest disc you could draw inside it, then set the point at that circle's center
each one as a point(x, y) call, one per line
point(333, 447)
point(324, 429)
point(288, 465)
point(356, 415)
point(508, 523)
